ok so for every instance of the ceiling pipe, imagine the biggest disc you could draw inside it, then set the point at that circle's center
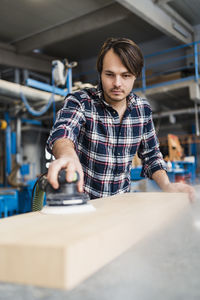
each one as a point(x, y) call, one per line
point(13, 90)
point(176, 112)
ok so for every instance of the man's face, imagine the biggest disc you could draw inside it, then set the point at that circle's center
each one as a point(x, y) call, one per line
point(117, 81)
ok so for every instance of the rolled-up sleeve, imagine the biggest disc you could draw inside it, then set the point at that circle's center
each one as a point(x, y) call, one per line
point(69, 121)
point(149, 152)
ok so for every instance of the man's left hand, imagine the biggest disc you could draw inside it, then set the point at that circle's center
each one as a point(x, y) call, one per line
point(181, 187)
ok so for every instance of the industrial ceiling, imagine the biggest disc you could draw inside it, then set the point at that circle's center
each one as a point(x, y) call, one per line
point(76, 29)
point(34, 32)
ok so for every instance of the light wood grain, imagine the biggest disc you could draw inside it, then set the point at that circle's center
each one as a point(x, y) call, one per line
point(60, 251)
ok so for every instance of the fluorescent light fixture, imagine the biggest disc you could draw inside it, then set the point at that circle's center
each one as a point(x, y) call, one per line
point(36, 50)
point(179, 29)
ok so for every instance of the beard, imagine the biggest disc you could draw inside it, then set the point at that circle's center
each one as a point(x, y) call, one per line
point(115, 95)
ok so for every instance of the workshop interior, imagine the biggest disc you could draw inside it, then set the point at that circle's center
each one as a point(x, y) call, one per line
point(56, 243)
point(41, 62)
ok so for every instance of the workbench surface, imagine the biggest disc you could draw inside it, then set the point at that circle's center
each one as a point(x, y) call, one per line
point(164, 266)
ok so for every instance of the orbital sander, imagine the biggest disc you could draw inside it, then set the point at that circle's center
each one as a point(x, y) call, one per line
point(66, 199)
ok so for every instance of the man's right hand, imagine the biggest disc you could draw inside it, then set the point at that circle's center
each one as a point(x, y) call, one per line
point(66, 159)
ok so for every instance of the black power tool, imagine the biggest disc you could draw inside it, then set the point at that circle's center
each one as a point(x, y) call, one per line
point(66, 195)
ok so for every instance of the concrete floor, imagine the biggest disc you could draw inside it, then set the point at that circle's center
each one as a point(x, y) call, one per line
point(164, 266)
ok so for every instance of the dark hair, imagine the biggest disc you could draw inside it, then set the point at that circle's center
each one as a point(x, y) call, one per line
point(129, 53)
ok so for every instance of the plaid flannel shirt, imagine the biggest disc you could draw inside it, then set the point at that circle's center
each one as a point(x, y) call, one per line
point(105, 146)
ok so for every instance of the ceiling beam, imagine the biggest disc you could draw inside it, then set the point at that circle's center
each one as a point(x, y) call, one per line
point(158, 18)
point(162, 1)
point(92, 21)
point(12, 59)
point(171, 12)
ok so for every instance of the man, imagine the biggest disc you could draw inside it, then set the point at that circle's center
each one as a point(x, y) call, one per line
point(98, 131)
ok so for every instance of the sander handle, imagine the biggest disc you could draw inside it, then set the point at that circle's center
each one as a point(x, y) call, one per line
point(62, 177)
point(43, 182)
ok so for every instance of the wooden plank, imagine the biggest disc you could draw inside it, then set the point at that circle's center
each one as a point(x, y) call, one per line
point(60, 251)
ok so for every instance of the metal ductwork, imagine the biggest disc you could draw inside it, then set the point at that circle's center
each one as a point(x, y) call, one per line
point(13, 90)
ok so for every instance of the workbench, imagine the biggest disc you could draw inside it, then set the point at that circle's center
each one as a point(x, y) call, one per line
point(165, 265)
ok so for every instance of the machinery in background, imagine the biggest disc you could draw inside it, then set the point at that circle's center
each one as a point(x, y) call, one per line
point(175, 151)
point(61, 85)
point(15, 188)
point(180, 168)
point(60, 71)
